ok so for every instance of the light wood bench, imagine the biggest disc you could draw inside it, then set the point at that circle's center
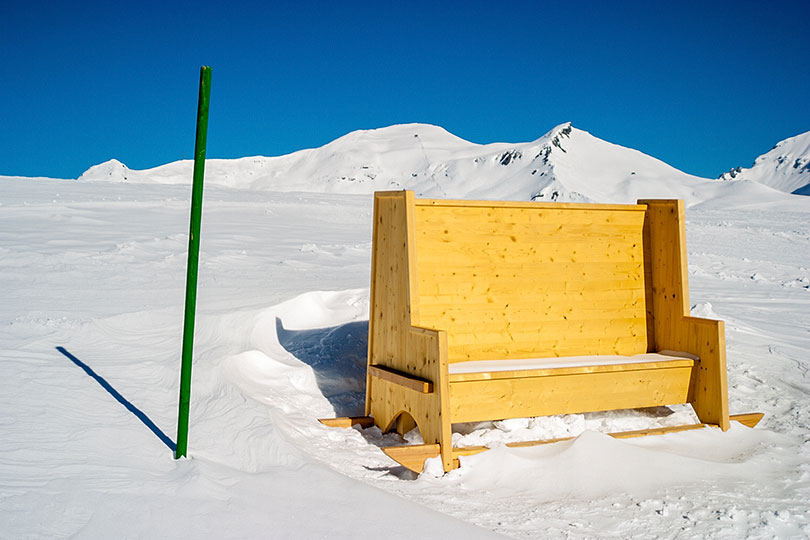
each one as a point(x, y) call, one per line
point(493, 310)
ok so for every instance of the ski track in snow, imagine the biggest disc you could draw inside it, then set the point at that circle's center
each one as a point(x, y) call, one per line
point(280, 341)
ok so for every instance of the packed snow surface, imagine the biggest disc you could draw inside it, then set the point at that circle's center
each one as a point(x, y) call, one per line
point(93, 280)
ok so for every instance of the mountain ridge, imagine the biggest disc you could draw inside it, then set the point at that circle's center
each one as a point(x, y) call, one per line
point(566, 164)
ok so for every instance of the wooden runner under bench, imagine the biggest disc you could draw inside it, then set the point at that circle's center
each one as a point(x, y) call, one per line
point(413, 456)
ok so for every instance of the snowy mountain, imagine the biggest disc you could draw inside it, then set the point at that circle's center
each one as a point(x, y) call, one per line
point(785, 167)
point(565, 164)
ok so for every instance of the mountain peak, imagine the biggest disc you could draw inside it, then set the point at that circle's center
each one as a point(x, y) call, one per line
point(558, 132)
point(402, 135)
point(785, 167)
point(111, 171)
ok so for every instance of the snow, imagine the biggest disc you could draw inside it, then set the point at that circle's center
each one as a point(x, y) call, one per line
point(90, 333)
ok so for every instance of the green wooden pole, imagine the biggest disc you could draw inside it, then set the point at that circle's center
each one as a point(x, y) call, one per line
point(193, 260)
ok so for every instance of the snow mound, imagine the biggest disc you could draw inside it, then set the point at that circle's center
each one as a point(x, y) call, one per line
point(595, 465)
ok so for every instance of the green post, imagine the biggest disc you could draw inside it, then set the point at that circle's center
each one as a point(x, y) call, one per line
point(193, 259)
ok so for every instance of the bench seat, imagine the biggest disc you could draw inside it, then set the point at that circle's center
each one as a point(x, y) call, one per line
point(537, 367)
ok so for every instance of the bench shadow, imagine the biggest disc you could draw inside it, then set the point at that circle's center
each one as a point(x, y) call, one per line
point(139, 414)
point(337, 356)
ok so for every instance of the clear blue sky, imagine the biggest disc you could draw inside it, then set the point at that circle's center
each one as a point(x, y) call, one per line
point(703, 86)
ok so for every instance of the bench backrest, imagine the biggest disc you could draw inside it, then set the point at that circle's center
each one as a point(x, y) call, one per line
point(513, 280)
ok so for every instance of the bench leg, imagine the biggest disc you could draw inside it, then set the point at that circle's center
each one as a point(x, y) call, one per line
point(390, 392)
point(395, 407)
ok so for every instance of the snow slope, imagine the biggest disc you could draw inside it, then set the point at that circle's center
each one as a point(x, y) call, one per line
point(565, 164)
point(785, 167)
point(92, 280)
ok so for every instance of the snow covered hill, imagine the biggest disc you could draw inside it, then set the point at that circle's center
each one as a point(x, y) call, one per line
point(565, 164)
point(785, 167)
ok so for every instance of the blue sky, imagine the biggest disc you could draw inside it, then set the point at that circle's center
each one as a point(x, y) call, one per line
point(702, 86)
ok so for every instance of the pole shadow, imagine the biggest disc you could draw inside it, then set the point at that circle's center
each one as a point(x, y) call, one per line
point(139, 414)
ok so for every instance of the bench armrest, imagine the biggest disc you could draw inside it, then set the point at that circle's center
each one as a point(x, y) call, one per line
point(705, 338)
point(426, 351)
point(421, 364)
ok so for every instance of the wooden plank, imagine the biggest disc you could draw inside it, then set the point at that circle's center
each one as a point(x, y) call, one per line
point(413, 456)
point(457, 253)
point(574, 370)
point(507, 217)
point(388, 319)
point(533, 205)
point(411, 272)
point(472, 450)
point(667, 247)
point(442, 229)
point(402, 379)
point(499, 287)
point(625, 345)
point(510, 281)
point(656, 431)
point(439, 221)
point(624, 303)
point(531, 298)
point(747, 419)
point(475, 230)
point(548, 335)
point(580, 271)
point(517, 316)
point(485, 333)
point(500, 322)
point(348, 421)
point(473, 401)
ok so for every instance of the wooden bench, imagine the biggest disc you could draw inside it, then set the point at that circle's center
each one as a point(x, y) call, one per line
point(493, 310)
